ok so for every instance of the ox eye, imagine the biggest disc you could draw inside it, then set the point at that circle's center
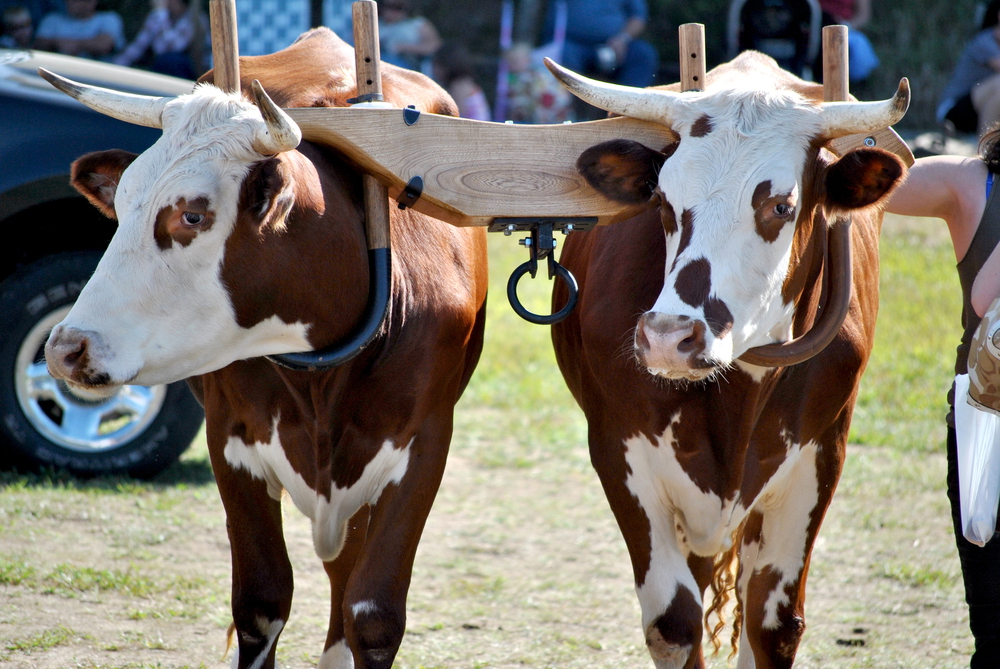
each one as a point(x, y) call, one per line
point(192, 219)
point(783, 210)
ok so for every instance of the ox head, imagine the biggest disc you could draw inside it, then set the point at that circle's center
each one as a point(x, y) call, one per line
point(742, 193)
point(157, 309)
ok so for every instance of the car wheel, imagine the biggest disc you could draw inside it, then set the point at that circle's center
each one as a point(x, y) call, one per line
point(139, 431)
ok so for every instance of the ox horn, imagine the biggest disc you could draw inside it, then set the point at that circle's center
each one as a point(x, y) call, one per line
point(279, 132)
point(144, 110)
point(640, 103)
point(848, 118)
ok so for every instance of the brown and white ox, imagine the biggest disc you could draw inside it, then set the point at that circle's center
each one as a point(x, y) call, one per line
point(233, 244)
point(700, 453)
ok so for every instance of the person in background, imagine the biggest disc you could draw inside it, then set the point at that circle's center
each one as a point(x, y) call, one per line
point(81, 31)
point(963, 192)
point(533, 94)
point(453, 70)
point(970, 102)
point(405, 40)
point(17, 28)
point(168, 34)
point(602, 37)
point(855, 14)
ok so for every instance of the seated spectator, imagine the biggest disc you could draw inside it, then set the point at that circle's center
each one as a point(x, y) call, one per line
point(970, 102)
point(167, 35)
point(533, 94)
point(17, 28)
point(81, 31)
point(405, 40)
point(601, 37)
point(453, 70)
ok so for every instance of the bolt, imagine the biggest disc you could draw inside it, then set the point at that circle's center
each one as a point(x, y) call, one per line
point(568, 229)
point(509, 229)
point(869, 142)
point(525, 242)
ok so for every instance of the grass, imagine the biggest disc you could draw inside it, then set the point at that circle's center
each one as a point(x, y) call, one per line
point(902, 399)
point(521, 562)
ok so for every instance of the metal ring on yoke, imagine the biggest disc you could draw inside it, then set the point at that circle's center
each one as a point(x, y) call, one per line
point(541, 319)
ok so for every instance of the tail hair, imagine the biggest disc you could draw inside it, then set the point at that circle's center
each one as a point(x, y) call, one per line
point(724, 573)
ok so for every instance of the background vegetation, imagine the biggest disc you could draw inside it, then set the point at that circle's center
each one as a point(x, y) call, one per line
point(919, 39)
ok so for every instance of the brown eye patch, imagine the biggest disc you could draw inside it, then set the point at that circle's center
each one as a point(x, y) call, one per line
point(182, 222)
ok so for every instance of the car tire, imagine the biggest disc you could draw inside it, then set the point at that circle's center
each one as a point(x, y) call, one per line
point(138, 432)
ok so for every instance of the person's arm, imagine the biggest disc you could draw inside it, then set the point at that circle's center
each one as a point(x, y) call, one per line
point(634, 27)
point(952, 188)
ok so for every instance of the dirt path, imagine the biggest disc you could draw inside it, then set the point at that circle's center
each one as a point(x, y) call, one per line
point(520, 565)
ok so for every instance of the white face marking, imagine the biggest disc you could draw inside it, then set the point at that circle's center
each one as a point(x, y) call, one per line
point(755, 138)
point(337, 656)
point(268, 461)
point(161, 315)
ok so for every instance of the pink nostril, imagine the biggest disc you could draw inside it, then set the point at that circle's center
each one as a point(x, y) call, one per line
point(695, 341)
point(72, 357)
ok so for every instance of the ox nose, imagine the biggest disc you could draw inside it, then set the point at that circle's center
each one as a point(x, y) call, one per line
point(670, 343)
point(68, 356)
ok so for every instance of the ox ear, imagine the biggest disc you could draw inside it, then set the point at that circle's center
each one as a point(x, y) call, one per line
point(265, 194)
point(96, 176)
point(622, 170)
point(862, 178)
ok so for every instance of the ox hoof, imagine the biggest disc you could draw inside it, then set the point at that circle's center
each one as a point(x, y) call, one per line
point(665, 654)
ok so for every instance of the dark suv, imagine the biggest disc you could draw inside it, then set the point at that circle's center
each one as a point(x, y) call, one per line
point(54, 240)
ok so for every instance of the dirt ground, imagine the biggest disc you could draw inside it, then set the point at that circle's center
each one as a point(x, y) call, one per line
point(521, 564)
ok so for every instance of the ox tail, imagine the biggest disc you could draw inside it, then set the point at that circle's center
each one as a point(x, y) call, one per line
point(230, 635)
point(724, 574)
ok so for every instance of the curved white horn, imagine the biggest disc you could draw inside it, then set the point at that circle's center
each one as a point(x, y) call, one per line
point(847, 118)
point(144, 110)
point(279, 132)
point(640, 103)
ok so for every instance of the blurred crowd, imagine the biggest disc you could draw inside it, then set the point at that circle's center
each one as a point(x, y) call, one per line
point(599, 38)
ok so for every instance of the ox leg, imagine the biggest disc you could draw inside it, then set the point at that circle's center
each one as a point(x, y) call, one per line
point(669, 580)
point(336, 653)
point(262, 574)
point(375, 597)
point(774, 560)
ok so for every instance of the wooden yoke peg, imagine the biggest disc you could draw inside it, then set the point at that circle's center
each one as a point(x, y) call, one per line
point(692, 52)
point(225, 46)
point(369, 74)
point(835, 68)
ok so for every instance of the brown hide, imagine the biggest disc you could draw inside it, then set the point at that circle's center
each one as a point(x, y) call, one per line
point(308, 262)
point(731, 434)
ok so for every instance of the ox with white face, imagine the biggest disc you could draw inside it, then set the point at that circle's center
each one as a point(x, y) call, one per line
point(730, 198)
point(734, 191)
point(157, 308)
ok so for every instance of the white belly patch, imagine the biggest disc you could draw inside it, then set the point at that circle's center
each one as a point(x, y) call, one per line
point(267, 461)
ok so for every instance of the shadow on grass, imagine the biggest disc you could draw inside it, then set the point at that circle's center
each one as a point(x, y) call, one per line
point(183, 473)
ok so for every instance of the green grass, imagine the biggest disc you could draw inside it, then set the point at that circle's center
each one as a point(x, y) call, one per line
point(519, 390)
point(902, 401)
point(43, 640)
